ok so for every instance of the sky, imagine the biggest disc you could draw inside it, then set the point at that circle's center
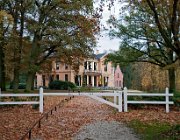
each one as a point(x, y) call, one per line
point(104, 42)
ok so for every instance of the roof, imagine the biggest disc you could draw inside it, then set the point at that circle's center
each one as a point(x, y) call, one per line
point(100, 55)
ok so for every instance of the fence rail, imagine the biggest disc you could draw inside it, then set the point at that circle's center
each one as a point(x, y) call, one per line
point(96, 96)
point(166, 102)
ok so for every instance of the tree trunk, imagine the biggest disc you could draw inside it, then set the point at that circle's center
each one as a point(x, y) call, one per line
point(30, 81)
point(2, 70)
point(16, 79)
point(172, 85)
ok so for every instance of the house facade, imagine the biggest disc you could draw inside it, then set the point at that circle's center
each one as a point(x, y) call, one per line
point(118, 78)
point(95, 72)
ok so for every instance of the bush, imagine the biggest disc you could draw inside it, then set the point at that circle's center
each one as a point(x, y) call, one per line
point(176, 99)
point(61, 85)
point(21, 85)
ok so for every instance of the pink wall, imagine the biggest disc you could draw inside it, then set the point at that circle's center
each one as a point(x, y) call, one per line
point(118, 77)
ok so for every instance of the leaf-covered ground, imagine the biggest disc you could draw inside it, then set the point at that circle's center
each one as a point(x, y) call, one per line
point(68, 119)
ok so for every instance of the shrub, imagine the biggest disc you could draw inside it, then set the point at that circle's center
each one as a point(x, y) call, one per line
point(176, 99)
point(21, 85)
point(61, 85)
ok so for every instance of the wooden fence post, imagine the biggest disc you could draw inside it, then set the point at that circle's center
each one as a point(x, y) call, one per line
point(115, 98)
point(41, 100)
point(125, 100)
point(167, 100)
point(120, 101)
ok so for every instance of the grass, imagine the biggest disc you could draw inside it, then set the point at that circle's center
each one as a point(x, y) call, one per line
point(155, 130)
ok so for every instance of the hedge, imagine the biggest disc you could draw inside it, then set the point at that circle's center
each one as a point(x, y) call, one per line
point(61, 85)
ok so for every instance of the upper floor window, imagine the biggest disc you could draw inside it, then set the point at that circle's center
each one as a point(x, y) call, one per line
point(89, 66)
point(95, 66)
point(85, 65)
point(118, 75)
point(105, 66)
point(57, 65)
point(66, 66)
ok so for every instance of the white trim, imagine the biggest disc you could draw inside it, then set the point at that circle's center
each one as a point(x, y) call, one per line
point(103, 101)
point(149, 102)
point(148, 94)
point(18, 103)
point(19, 95)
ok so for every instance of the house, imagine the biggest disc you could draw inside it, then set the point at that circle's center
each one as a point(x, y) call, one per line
point(118, 78)
point(95, 72)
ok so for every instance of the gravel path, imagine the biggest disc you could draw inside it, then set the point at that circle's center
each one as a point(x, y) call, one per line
point(105, 130)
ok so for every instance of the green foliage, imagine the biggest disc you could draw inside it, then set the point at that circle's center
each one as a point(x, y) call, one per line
point(146, 36)
point(155, 130)
point(176, 99)
point(21, 85)
point(61, 85)
point(42, 29)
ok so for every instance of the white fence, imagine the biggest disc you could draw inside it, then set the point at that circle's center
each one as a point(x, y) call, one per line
point(20, 102)
point(41, 96)
point(166, 102)
point(97, 96)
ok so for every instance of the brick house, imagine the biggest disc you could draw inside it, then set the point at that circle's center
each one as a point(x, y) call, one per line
point(95, 72)
point(118, 78)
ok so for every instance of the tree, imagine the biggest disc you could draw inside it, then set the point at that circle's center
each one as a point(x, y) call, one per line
point(18, 10)
point(59, 27)
point(48, 28)
point(149, 32)
point(6, 22)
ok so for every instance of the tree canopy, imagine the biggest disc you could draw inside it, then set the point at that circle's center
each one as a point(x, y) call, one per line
point(149, 31)
point(48, 28)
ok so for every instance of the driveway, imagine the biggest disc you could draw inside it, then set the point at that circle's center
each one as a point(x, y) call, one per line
point(83, 118)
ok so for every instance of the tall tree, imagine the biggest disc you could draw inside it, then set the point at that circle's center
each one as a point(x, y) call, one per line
point(18, 10)
point(6, 23)
point(149, 32)
point(58, 26)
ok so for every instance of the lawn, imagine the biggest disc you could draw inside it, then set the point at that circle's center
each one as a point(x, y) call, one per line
point(156, 130)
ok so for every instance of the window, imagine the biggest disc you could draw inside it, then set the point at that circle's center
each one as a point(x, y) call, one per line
point(66, 77)
point(57, 77)
point(105, 67)
point(66, 66)
point(51, 78)
point(119, 83)
point(118, 75)
point(85, 65)
point(90, 67)
point(95, 66)
point(57, 65)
